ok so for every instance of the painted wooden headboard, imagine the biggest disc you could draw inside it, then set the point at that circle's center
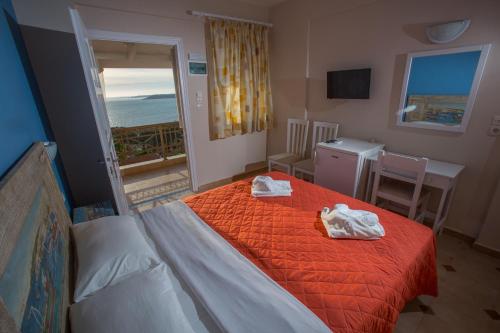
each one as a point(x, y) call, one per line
point(34, 248)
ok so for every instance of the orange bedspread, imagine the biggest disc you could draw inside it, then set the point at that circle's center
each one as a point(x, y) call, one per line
point(352, 285)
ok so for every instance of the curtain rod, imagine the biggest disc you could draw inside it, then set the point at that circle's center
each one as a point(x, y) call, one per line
point(203, 14)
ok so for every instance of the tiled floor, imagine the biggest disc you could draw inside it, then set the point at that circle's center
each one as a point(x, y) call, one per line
point(469, 293)
point(154, 188)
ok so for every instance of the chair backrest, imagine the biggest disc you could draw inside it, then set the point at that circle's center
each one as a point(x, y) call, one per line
point(323, 131)
point(296, 139)
point(400, 167)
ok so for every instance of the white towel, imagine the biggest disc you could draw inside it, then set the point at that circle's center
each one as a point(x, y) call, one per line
point(265, 186)
point(342, 222)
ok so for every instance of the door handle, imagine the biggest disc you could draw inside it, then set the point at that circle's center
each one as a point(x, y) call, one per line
point(333, 156)
point(112, 171)
point(111, 159)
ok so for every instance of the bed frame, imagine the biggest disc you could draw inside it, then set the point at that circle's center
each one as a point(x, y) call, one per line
point(34, 248)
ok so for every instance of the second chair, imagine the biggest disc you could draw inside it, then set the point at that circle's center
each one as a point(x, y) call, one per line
point(296, 141)
point(322, 131)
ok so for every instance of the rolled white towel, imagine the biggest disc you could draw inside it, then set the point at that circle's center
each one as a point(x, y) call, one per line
point(265, 186)
point(342, 222)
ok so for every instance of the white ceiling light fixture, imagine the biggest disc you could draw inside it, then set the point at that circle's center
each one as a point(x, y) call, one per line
point(447, 32)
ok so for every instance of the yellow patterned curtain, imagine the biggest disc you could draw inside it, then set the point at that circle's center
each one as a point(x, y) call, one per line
point(239, 79)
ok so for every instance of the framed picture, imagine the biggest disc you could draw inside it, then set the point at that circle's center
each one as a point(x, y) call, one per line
point(440, 87)
point(197, 68)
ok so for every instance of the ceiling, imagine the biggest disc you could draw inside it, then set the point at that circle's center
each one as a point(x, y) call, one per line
point(110, 54)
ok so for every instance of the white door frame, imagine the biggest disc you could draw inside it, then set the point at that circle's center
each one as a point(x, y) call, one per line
point(170, 41)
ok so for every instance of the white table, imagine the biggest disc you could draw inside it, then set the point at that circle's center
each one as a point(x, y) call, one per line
point(438, 174)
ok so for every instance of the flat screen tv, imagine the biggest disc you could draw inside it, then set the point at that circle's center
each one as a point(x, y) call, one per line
point(349, 84)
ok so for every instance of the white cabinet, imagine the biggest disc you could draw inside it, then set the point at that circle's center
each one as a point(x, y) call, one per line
point(338, 166)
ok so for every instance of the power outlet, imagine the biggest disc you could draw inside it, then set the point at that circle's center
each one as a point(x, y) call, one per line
point(199, 99)
point(494, 130)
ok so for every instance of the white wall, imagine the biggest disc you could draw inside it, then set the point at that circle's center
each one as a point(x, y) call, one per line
point(215, 159)
point(378, 34)
point(490, 231)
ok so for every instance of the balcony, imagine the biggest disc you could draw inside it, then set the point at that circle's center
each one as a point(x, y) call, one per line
point(152, 163)
point(149, 142)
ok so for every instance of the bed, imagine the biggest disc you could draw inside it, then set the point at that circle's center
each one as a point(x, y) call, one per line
point(236, 263)
point(352, 285)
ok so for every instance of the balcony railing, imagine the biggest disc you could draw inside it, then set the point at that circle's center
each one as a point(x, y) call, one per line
point(149, 142)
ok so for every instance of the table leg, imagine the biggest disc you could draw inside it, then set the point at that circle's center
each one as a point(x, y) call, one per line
point(369, 181)
point(449, 199)
point(443, 208)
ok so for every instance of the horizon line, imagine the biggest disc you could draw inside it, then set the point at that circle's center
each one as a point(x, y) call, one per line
point(140, 95)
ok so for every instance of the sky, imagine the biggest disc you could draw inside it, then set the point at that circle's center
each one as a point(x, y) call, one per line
point(124, 82)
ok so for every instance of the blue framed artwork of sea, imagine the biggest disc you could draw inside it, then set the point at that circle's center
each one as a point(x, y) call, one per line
point(33, 284)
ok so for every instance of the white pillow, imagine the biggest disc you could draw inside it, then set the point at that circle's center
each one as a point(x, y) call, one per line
point(108, 249)
point(144, 302)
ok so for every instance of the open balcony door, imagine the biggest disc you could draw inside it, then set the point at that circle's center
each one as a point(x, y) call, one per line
point(99, 107)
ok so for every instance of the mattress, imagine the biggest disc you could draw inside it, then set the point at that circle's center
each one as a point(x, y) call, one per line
point(352, 285)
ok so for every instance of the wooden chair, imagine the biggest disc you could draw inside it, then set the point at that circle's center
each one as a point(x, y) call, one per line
point(399, 179)
point(322, 131)
point(296, 141)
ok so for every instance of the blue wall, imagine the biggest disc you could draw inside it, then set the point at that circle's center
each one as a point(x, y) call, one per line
point(21, 122)
point(438, 75)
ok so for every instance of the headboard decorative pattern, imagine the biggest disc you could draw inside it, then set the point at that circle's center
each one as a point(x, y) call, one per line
point(34, 248)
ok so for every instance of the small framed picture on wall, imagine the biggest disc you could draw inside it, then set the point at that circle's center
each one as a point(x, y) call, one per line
point(197, 68)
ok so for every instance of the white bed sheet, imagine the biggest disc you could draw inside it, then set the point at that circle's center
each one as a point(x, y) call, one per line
point(238, 296)
point(194, 311)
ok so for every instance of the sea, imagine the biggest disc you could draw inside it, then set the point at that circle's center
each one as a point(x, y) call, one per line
point(139, 110)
